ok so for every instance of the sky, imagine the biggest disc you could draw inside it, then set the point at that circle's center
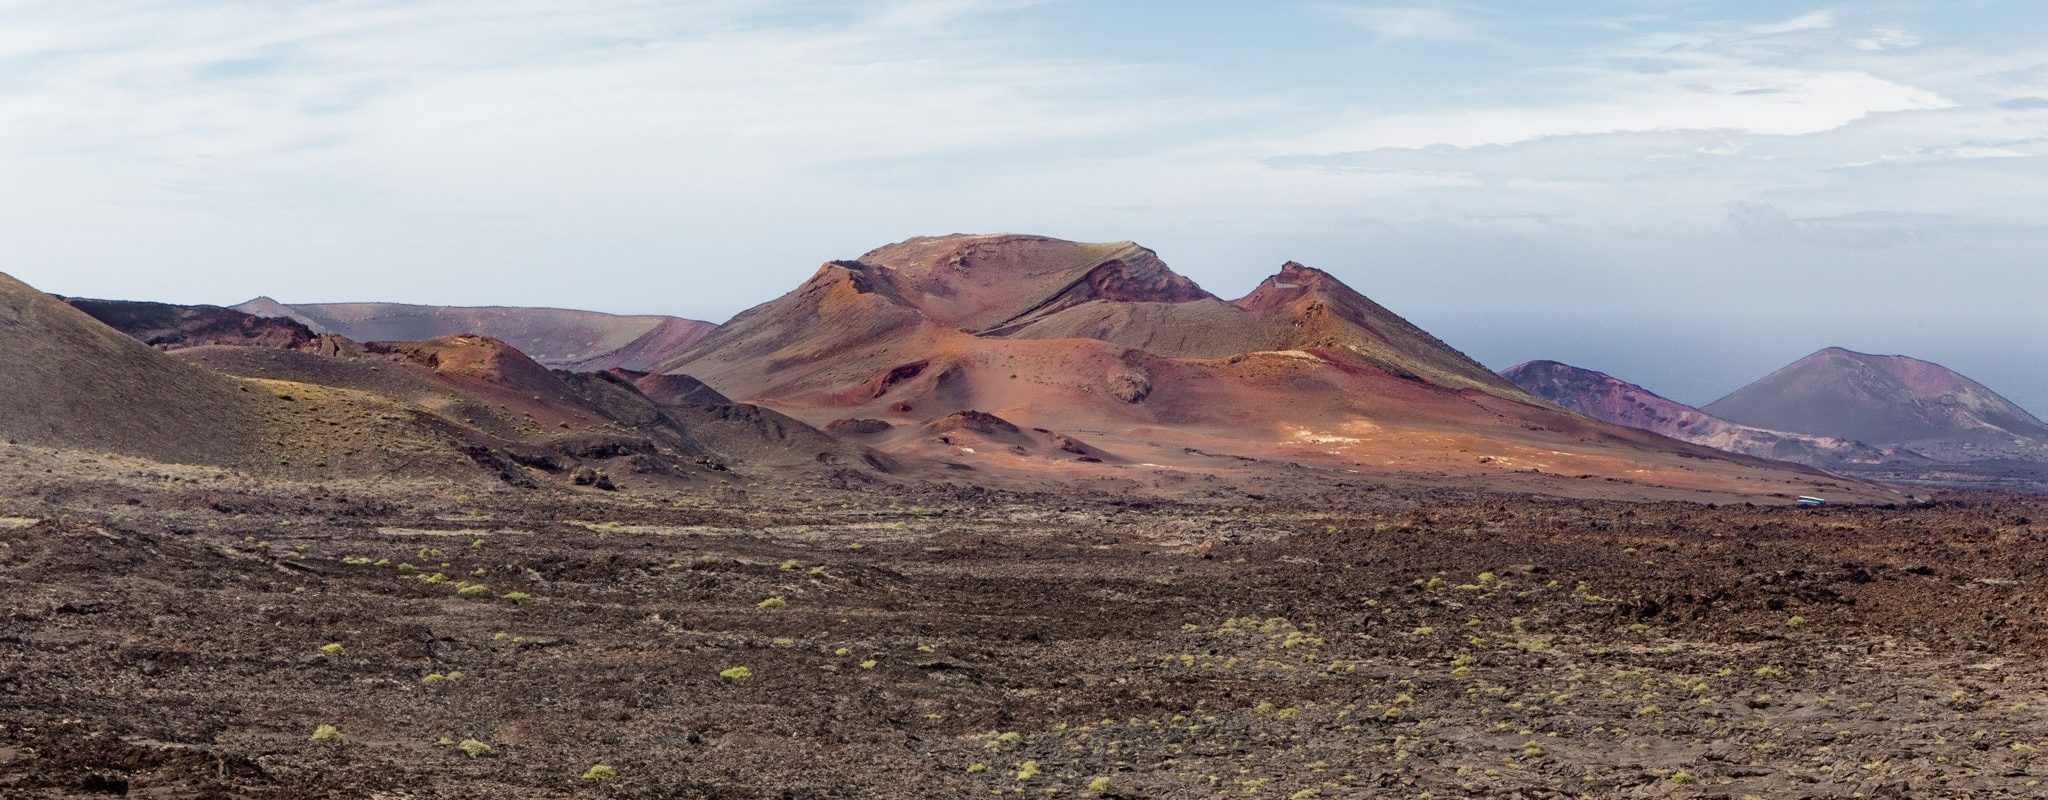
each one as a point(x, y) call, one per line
point(1684, 194)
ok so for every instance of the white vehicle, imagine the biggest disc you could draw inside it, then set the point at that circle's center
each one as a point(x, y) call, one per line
point(1811, 502)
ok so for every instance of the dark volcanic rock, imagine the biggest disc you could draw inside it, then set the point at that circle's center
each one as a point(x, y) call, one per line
point(857, 427)
point(171, 326)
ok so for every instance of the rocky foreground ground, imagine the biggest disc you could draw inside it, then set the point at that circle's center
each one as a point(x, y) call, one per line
point(177, 634)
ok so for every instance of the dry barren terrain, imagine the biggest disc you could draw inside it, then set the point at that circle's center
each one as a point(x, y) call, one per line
point(173, 632)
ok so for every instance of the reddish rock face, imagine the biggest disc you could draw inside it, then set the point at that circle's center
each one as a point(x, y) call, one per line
point(989, 283)
point(1142, 279)
point(1293, 282)
point(476, 357)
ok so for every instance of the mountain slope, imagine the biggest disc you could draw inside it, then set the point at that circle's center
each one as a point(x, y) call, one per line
point(674, 390)
point(67, 380)
point(1102, 342)
point(582, 340)
point(1325, 314)
point(1605, 397)
point(1888, 401)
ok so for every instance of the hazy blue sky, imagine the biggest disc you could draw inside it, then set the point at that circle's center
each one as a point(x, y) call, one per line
point(1687, 194)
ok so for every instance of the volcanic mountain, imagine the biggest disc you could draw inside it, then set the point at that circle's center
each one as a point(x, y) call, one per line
point(1605, 397)
point(1889, 401)
point(586, 341)
point(1133, 364)
point(930, 292)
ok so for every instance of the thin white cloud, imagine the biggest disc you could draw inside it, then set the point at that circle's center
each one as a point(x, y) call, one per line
point(1727, 44)
point(1811, 21)
point(1622, 23)
point(1887, 39)
point(1394, 24)
point(1766, 100)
